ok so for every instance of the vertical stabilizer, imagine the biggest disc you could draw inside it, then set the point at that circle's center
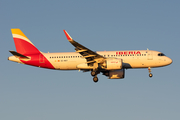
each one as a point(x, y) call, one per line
point(23, 44)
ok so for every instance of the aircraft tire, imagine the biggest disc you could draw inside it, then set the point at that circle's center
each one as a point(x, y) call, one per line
point(93, 73)
point(95, 79)
point(150, 75)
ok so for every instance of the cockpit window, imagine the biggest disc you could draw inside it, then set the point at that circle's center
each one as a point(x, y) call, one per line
point(161, 54)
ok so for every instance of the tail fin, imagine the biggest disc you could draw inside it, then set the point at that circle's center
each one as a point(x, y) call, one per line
point(23, 45)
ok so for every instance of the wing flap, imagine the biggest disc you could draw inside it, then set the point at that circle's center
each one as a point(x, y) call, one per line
point(81, 50)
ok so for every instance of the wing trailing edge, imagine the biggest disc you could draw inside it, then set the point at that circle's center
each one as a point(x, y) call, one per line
point(90, 55)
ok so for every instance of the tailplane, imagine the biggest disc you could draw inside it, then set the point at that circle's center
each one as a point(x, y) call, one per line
point(23, 45)
point(18, 55)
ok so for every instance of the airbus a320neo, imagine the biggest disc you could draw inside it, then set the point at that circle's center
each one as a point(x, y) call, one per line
point(110, 63)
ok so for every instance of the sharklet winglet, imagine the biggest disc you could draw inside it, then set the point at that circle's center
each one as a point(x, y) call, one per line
point(68, 36)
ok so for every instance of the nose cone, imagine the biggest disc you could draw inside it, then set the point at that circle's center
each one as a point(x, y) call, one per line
point(169, 61)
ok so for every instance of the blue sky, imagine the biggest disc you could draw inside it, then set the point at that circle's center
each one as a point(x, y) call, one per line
point(30, 93)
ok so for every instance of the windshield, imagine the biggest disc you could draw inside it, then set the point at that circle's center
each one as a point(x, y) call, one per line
point(161, 54)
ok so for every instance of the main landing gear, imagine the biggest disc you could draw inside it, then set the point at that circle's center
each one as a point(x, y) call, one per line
point(94, 73)
point(150, 74)
point(95, 79)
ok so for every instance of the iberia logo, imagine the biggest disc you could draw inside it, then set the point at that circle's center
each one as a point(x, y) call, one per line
point(127, 52)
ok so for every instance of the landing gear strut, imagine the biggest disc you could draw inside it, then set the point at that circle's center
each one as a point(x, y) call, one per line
point(150, 74)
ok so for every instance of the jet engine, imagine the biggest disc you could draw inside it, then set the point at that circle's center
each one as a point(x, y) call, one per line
point(115, 74)
point(112, 64)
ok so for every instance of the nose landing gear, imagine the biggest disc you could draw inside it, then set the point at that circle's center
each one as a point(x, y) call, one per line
point(150, 74)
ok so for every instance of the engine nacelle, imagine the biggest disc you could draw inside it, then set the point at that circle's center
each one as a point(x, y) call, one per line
point(117, 74)
point(112, 64)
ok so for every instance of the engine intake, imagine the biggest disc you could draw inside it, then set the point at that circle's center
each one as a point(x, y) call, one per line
point(112, 64)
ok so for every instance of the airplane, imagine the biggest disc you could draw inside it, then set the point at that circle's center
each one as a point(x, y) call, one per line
point(110, 63)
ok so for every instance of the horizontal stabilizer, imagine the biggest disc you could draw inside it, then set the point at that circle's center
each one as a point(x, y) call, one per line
point(16, 54)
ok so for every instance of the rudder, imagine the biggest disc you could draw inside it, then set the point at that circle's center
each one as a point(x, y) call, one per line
point(23, 44)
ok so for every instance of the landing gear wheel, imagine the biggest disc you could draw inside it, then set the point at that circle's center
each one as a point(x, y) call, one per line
point(150, 75)
point(93, 73)
point(95, 79)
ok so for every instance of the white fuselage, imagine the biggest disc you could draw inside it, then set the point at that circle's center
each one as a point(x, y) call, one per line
point(131, 59)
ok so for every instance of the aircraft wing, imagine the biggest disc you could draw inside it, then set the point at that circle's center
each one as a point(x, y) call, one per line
point(90, 55)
